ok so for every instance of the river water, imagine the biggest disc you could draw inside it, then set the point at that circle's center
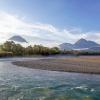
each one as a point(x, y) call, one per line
point(19, 83)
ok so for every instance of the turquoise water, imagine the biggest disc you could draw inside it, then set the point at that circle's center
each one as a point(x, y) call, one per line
point(18, 83)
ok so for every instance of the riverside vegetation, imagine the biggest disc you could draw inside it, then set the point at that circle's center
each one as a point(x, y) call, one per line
point(9, 48)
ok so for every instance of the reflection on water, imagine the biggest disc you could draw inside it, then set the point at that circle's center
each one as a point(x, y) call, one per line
point(18, 83)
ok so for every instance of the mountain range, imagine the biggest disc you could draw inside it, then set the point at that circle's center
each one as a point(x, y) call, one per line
point(80, 44)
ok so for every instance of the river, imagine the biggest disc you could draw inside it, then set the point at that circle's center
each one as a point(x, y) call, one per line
point(19, 83)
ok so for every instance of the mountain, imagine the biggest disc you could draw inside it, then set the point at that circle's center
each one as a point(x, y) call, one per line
point(66, 46)
point(80, 44)
point(17, 38)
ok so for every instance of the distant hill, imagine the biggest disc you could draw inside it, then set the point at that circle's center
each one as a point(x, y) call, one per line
point(66, 46)
point(80, 44)
point(17, 38)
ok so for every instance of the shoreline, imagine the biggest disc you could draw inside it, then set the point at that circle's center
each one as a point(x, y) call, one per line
point(90, 65)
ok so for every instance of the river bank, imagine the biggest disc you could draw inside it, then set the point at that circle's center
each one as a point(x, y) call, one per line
point(27, 84)
point(81, 64)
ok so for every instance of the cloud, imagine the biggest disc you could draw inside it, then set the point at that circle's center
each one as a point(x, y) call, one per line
point(95, 36)
point(39, 33)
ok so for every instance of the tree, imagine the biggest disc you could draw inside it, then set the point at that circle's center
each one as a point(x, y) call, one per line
point(29, 50)
point(10, 46)
point(55, 50)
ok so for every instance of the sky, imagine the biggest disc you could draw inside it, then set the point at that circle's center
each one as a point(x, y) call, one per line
point(50, 22)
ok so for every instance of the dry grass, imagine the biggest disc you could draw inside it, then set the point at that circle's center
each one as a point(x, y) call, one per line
point(92, 59)
point(87, 64)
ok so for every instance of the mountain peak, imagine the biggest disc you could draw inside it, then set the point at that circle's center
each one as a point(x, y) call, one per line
point(82, 43)
point(81, 40)
point(17, 38)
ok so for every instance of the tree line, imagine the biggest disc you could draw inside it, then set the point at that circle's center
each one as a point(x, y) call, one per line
point(9, 48)
point(18, 50)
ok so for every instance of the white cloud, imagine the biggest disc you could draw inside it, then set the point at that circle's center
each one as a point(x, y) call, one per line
point(39, 33)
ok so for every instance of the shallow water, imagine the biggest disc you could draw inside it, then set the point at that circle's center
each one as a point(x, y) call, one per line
point(19, 83)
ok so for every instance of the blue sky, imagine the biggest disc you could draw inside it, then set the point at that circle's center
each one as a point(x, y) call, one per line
point(54, 21)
